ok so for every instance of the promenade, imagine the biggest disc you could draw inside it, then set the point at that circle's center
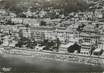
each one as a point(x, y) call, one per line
point(57, 56)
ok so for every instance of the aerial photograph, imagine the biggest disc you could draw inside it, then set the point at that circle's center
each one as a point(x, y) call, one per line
point(51, 36)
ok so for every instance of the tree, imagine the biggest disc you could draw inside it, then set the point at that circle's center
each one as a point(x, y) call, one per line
point(42, 23)
point(80, 27)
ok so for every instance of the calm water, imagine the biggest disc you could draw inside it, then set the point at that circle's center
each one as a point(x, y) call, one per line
point(28, 64)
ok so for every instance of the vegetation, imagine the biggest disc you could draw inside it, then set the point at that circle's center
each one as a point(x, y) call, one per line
point(19, 6)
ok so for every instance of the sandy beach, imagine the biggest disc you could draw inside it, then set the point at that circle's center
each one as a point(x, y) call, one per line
point(20, 63)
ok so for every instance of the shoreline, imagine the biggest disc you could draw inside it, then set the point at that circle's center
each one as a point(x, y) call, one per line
point(33, 61)
point(36, 64)
point(61, 57)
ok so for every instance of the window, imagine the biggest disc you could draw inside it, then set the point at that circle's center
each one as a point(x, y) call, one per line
point(87, 40)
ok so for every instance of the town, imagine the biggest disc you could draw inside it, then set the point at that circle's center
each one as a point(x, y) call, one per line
point(50, 27)
point(52, 35)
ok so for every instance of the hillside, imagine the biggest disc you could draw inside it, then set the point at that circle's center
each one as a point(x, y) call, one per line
point(22, 5)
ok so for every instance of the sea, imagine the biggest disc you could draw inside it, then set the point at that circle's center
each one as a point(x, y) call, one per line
point(26, 64)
